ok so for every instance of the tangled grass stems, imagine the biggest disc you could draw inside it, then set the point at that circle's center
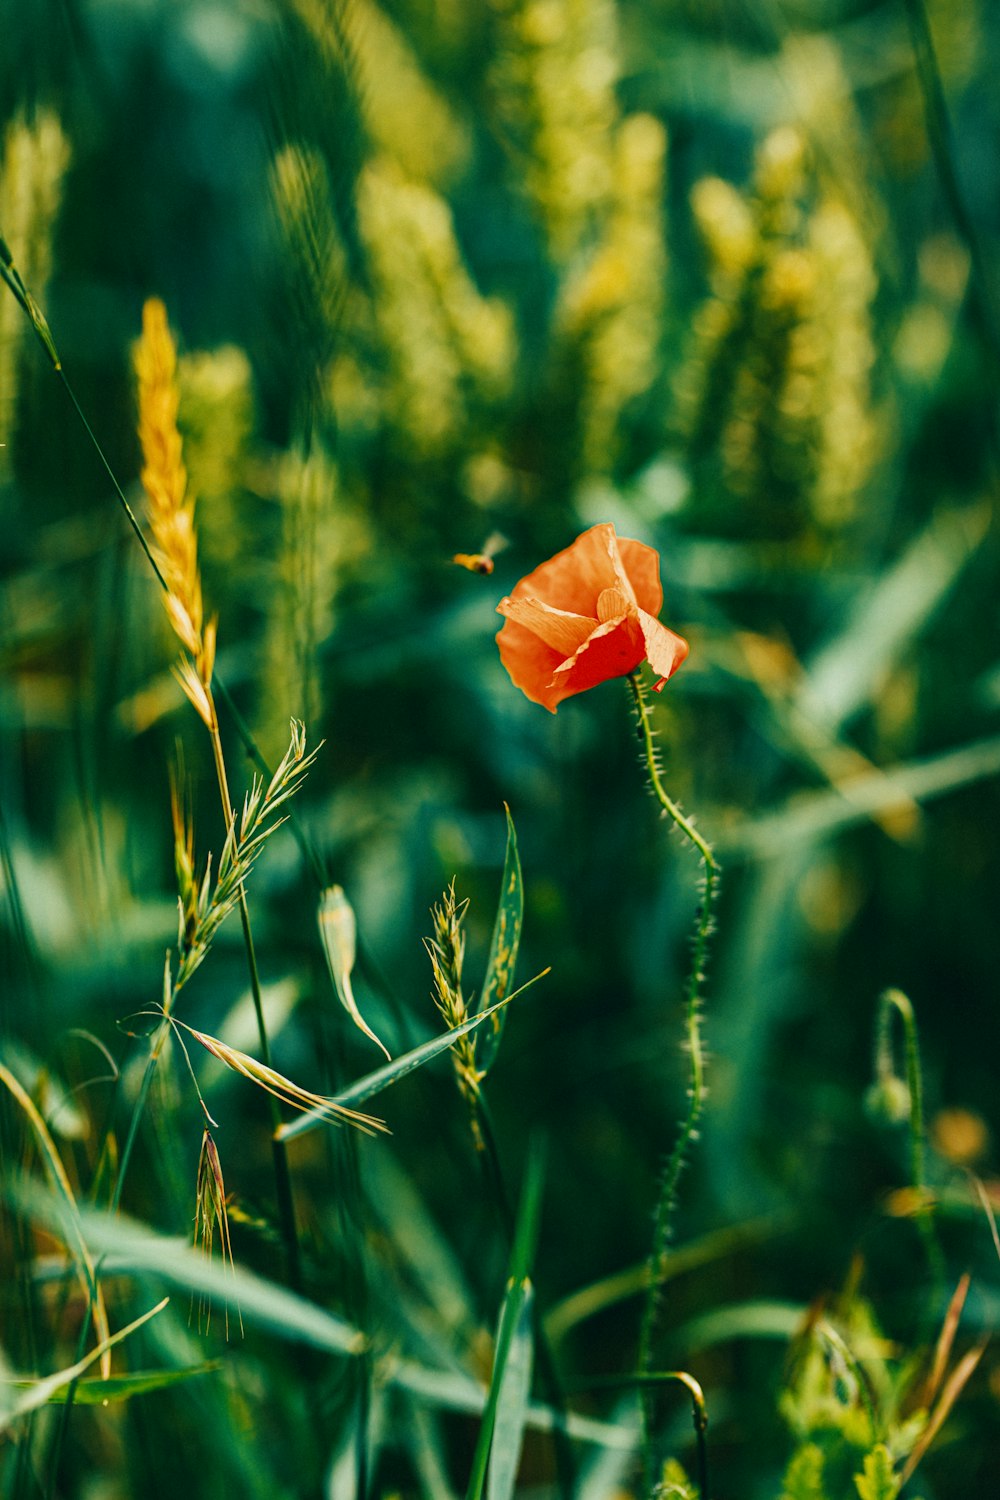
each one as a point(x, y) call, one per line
point(203, 907)
point(674, 1163)
point(171, 515)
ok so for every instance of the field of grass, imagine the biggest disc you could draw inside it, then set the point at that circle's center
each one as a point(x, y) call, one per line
point(407, 1091)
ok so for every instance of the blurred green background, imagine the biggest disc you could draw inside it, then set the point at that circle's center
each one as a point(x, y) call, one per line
point(443, 272)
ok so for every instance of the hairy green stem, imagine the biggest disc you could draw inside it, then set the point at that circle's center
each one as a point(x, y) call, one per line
point(675, 1160)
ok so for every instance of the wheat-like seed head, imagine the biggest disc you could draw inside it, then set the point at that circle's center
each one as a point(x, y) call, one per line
point(169, 506)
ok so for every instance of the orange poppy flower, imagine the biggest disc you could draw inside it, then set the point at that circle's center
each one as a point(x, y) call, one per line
point(587, 614)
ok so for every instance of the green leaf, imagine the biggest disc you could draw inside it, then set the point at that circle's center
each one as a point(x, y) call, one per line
point(119, 1387)
point(511, 1380)
point(514, 1392)
point(383, 1078)
point(503, 948)
point(124, 1245)
point(128, 1247)
point(878, 1482)
point(674, 1483)
point(41, 1392)
point(804, 1475)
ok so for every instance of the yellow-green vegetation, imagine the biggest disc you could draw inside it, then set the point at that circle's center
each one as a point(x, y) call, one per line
point(631, 1165)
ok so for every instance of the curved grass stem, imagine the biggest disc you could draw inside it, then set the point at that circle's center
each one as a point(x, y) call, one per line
point(894, 1002)
point(673, 1165)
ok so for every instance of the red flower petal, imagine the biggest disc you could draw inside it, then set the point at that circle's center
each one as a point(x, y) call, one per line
point(529, 662)
point(613, 650)
point(587, 614)
point(573, 578)
point(642, 564)
point(664, 650)
point(563, 631)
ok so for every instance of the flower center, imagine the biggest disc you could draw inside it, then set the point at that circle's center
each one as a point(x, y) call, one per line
point(610, 604)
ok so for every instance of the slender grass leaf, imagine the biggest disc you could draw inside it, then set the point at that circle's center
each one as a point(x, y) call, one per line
point(605, 1471)
point(512, 1403)
point(127, 1247)
point(383, 1078)
point(121, 1387)
point(419, 1244)
point(745, 1320)
point(42, 1391)
point(503, 948)
point(510, 1384)
point(424, 1443)
point(633, 1280)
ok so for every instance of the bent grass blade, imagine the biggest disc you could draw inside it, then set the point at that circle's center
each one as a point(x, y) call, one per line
point(383, 1078)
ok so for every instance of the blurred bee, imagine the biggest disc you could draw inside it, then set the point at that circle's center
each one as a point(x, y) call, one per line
point(482, 562)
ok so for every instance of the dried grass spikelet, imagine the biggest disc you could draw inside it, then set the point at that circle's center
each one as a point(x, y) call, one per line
point(202, 906)
point(169, 506)
point(275, 1083)
point(212, 1213)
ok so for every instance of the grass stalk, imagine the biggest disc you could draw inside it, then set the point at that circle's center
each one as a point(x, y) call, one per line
point(279, 1154)
point(893, 1002)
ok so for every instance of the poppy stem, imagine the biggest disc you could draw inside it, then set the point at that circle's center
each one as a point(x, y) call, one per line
point(673, 1164)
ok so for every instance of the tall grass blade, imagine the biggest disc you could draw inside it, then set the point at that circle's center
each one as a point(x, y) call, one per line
point(100, 1392)
point(510, 1384)
point(514, 1393)
point(845, 674)
point(503, 948)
